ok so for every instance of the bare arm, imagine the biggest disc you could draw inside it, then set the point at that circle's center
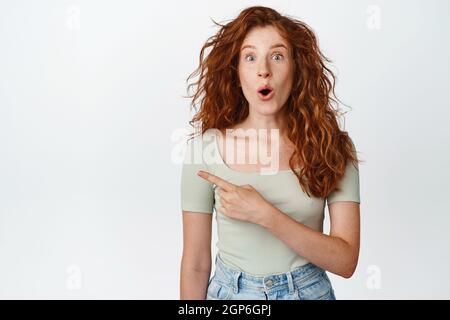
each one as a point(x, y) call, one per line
point(196, 259)
point(337, 252)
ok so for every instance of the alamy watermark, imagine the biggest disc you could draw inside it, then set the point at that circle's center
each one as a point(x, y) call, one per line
point(263, 146)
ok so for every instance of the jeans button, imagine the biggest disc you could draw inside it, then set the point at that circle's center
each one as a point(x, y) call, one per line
point(269, 283)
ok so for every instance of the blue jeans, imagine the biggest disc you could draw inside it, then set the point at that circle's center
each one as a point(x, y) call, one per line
point(307, 282)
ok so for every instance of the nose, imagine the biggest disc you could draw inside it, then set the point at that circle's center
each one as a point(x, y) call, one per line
point(263, 71)
point(263, 74)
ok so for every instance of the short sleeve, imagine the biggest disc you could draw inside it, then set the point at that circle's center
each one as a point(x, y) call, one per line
point(348, 186)
point(197, 194)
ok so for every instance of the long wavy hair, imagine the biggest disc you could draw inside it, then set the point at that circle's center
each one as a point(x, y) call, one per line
point(321, 148)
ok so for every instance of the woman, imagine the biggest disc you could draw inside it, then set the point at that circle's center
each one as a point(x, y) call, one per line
point(265, 79)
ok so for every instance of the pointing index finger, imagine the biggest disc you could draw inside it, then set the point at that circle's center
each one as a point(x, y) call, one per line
point(227, 186)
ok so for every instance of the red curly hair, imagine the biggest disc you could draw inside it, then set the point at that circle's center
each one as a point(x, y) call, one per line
point(321, 148)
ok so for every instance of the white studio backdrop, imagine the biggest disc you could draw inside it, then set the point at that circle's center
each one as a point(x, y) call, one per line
point(91, 108)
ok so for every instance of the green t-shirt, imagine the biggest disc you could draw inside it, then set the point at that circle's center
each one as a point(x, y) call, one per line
point(248, 246)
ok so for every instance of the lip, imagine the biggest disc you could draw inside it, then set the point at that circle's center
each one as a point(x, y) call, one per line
point(265, 97)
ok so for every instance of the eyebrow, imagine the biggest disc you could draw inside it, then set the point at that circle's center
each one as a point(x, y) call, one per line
point(277, 45)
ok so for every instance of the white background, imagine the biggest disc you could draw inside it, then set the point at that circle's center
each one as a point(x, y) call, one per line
point(91, 95)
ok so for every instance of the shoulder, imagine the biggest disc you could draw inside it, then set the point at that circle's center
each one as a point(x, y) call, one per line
point(201, 146)
point(210, 133)
point(351, 142)
point(199, 137)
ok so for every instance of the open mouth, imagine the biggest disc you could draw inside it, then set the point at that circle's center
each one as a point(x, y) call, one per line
point(265, 93)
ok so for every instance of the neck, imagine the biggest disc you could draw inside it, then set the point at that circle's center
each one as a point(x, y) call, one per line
point(263, 122)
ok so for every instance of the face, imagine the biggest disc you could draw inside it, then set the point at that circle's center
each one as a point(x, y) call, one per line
point(265, 61)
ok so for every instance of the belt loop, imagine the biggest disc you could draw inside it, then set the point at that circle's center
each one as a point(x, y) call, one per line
point(235, 284)
point(290, 282)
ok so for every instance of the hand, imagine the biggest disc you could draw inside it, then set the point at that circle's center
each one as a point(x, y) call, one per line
point(240, 202)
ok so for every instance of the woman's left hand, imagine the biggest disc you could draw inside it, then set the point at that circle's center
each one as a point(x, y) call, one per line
point(240, 202)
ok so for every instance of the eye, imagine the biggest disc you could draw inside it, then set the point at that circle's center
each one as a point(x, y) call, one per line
point(248, 56)
point(278, 55)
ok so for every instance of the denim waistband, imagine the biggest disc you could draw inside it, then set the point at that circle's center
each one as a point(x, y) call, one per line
point(238, 279)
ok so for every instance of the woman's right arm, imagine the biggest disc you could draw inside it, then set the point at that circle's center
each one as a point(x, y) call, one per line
point(196, 258)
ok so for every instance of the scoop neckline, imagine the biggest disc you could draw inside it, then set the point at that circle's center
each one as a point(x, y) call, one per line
point(222, 162)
